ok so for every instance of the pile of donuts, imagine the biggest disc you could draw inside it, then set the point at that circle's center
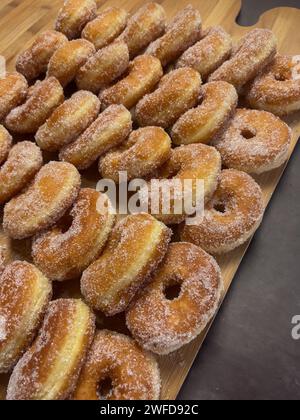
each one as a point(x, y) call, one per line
point(159, 100)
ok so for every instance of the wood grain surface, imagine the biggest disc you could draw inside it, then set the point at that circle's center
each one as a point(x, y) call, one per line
point(21, 20)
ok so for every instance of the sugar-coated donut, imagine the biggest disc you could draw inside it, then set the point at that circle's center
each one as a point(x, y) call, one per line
point(33, 61)
point(64, 255)
point(143, 75)
point(209, 53)
point(146, 25)
point(277, 89)
point(191, 162)
point(110, 129)
point(42, 100)
point(133, 372)
point(5, 251)
point(184, 30)
point(254, 142)
point(136, 246)
point(13, 91)
point(50, 368)
point(23, 162)
point(231, 217)
point(106, 27)
point(254, 52)
point(68, 121)
point(145, 151)
point(202, 124)
point(53, 191)
point(104, 67)
point(164, 324)
point(177, 92)
point(5, 143)
point(74, 15)
point(24, 295)
point(67, 60)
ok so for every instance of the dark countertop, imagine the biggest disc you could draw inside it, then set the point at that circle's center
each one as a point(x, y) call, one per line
point(249, 353)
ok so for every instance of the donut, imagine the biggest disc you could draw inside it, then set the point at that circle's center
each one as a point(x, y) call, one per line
point(277, 89)
point(53, 191)
point(74, 15)
point(5, 251)
point(116, 358)
point(68, 59)
point(5, 143)
point(13, 91)
point(184, 30)
point(145, 151)
point(104, 67)
point(63, 255)
point(136, 246)
point(192, 162)
point(50, 368)
point(33, 62)
point(107, 26)
point(254, 142)
point(162, 322)
point(24, 296)
point(202, 124)
point(42, 100)
point(24, 161)
point(253, 53)
point(209, 53)
point(231, 217)
point(143, 75)
point(68, 121)
point(146, 25)
point(110, 129)
point(177, 92)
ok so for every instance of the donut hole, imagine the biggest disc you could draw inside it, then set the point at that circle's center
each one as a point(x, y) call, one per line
point(220, 208)
point(105, 388)
point(248, 133)
point(281, 77)
point(65, 223)
point(172, 291)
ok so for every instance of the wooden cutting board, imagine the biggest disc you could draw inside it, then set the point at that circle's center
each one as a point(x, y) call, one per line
point(21, 20)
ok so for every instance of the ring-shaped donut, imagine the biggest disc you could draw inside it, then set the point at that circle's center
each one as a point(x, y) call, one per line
point(13, 91)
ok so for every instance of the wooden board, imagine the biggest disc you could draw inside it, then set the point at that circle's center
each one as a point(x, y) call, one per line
point(21, 20)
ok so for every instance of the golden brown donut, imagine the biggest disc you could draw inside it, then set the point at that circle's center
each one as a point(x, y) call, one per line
point(254, 142)
point(13, 91)
point(163, 323)
point(231, 217)
point(203, 123)
point(63, 255)
point(74, 15)
point(68, 121)
point(53, 191)
point(5, 251)
point(133, 372)
point(106, 27)
point(42, 100)
point(192, 162)
point(277, 89)
point(143, 75)
point(49, 370)
point(110, 129)
point(146, 25)
point(184, 30)
point(104, 67)
point(209, 53)
point(136, 246)
point(24, 296)
point(253, 53)
point(67, 60)
point(145, 151)
point(5, 143)
point(177, 92)
point(23, 162)
point(33, 61)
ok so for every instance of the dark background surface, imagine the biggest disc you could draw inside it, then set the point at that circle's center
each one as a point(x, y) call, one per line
point(249, 353)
